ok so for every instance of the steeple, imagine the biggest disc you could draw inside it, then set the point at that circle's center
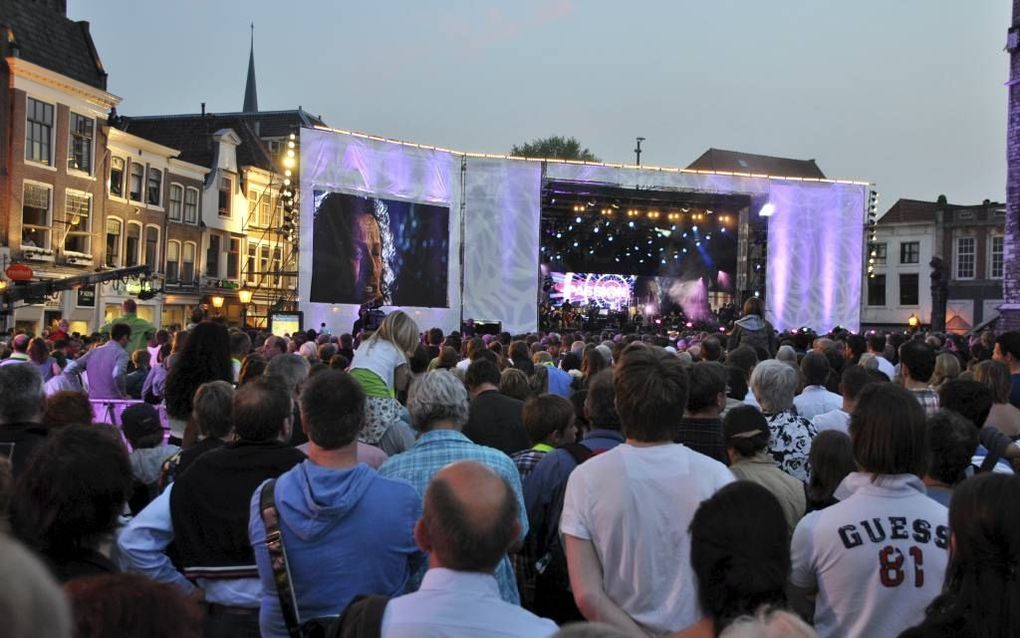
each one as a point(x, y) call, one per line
point(251, 98)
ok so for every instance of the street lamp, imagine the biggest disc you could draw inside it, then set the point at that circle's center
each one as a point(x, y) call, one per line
point(913, 322)
point(217, 302)
point(244, 295)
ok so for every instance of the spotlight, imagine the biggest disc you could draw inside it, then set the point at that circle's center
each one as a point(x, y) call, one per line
point(577, 220)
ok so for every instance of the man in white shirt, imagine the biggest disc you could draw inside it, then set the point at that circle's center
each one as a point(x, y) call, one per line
point(877, 558)
point(814, 399)
point(468, 524)
point(626, 512)
point(876, 346)
point(851, 383)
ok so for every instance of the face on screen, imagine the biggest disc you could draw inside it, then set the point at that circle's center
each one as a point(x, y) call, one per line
point(366, 258)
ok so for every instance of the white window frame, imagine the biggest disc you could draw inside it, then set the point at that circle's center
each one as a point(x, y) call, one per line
point(180, 203)
point(53, 136)
point(49, 214)
point(198, 205)
point(230, 196)
point(123, 179)
point(141, 188)
point(120, 242)
point(194, 262)
point(92, 145)
point(991, 238)
point(173, 244)
point(87, 233)
point(145, 243)
point(957, 254)
point(251, 258)
point(162, 181)
point(141, 243)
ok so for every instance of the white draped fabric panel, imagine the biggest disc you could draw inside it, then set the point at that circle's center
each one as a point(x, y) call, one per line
point(815, 237)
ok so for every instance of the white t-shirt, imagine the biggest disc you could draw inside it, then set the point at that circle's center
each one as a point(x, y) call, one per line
point(635, 505)
point(815, 400)
point(380, 357)
point(835, 420)
point(877, 558)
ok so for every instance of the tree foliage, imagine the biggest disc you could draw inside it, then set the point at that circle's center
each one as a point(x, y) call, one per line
point(555, 147)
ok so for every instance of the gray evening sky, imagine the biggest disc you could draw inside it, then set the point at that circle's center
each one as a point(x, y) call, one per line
point(905, 93)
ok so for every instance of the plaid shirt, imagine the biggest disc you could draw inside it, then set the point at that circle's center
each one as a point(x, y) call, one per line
point(928, 398)
point(526, 460)
point(438, 448)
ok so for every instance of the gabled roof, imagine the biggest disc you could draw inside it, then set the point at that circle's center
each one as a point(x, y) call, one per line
point(715, 159)
point(41, 34)
point(911, 211)
point(192, 134)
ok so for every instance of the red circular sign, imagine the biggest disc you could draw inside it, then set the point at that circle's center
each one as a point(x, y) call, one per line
point(19, 272)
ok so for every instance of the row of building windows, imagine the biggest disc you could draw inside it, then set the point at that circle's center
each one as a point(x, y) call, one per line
point(40, 120)
point(909, 290)
point(965, 256)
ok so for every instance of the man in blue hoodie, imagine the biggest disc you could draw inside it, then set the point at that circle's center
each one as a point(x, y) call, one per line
point(346, 530)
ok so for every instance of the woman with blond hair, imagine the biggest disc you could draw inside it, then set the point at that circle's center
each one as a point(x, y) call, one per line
point(380, 366)
point(1004, 415)
point(947, 368)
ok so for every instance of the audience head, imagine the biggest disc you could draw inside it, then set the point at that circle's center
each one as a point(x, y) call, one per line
point(995, 375)
point(481, 373)
point(774, 384)
point(917, 361)
point(205, 357)
point(140, 359)
point(438, 399)
point(947, 368)
point(131, 605)
point(121, 333)
point(67, 407)
point(769, 622)
point(68, 499)
point(549, 418)
point(745, 431)
point(876, 344)
point(753, 306)
point(141, 426)
point(31, 602)
point(887, 430)
point(952, 440)
point(253, 366)
point(20, 343)
point(399, 329)
point(1007, 349)
point(830, 460)
point(787, 354)
point(212, 409)
point(971, 399)
point(38, 352)
point(600, 402)
point(740, 552)
point(469, 520)
point(815, 368)
point(22, 398)
point(743, 358)
point(514, 383)
point(983, 576)
point(707, 388)
point(852, 381)
point(332, 409)
point(651, 394)
point(240, 343)
point(262, 410)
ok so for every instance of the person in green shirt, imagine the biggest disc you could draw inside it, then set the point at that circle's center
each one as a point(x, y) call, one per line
point(141, 330)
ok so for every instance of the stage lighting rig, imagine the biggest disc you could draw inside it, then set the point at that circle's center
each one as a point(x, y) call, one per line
point(288, 190)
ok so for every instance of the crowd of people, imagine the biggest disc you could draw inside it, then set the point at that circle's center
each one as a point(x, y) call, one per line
point(408, 482)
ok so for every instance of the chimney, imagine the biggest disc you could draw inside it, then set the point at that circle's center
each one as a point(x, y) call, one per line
point(203, 109)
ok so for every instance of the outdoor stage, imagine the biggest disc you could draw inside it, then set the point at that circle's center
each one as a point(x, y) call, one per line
point(447, 235)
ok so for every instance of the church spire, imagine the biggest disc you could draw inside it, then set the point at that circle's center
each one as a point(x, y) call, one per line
point(251, 99)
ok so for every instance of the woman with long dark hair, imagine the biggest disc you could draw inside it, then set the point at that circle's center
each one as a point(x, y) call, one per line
point(982, 587)
point(66, 503)
point(831, 459)
point(204, 358)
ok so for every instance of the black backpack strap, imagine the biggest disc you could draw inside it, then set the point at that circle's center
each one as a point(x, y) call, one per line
point(278, 559)
point(580, 452)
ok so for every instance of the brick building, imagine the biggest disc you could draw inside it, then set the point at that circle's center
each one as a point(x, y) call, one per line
point(969, 240)
point(53, 156)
